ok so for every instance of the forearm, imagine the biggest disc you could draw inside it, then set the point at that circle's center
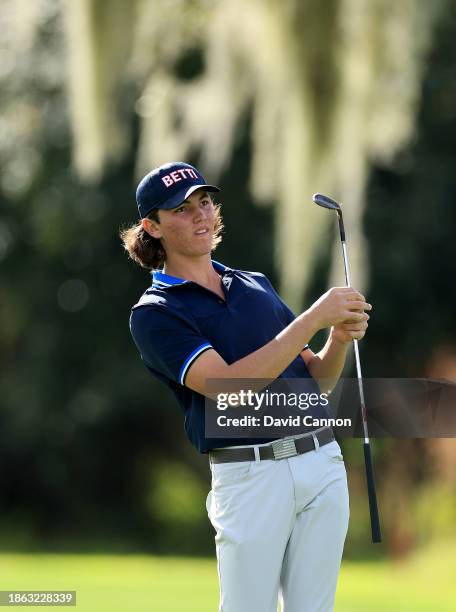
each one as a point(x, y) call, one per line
point(268, 362)
point(327, 365)
point(274, 357)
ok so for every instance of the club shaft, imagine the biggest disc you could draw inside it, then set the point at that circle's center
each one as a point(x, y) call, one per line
point(371, 491)
point(356, 349)
point(327, 202)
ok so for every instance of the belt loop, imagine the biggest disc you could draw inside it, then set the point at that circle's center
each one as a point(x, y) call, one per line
point(256, 451)
point(316, 442)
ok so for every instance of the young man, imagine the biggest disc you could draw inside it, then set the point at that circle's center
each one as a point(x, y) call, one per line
point(280, 512)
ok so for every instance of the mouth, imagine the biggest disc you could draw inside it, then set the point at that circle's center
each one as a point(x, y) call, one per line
point(202, 232)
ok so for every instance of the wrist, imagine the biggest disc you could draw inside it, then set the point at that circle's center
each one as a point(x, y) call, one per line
point(309, 323)
point(336, 340)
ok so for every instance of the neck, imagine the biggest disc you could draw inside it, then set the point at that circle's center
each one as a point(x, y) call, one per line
point(198, 270)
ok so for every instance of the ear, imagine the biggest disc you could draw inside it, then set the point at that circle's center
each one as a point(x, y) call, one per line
point(152, 228)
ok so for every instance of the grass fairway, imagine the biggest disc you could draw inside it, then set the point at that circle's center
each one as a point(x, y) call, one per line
point(115, 583)
point(107, 583)
point(424, 583)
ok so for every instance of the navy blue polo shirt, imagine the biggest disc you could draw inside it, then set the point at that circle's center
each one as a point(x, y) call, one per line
point(176, 320)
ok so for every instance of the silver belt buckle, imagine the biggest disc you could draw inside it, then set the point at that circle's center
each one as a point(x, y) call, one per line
point(283, 449)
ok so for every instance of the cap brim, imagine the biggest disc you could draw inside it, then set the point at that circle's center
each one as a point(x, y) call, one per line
point(185, 193)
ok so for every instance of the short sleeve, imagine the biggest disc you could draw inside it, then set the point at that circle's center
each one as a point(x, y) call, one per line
point(168, 343)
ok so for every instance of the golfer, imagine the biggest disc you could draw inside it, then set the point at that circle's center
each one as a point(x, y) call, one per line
point(279, 507)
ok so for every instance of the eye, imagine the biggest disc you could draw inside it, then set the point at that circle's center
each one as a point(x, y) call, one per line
point(181, 209)
point(205, 202)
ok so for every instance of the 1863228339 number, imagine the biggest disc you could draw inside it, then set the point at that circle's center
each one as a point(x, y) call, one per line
point(38, 598)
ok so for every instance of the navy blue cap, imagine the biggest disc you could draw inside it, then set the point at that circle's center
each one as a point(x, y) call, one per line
point(168, 186)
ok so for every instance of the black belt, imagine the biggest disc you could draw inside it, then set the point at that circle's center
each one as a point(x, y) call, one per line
point(279, 449)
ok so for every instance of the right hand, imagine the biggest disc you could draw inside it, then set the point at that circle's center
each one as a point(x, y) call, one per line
point(340, 305)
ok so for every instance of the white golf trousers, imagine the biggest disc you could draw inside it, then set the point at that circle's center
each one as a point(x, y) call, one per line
point(280, 531)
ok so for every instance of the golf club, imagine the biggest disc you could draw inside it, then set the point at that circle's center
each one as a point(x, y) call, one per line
point(327, 202)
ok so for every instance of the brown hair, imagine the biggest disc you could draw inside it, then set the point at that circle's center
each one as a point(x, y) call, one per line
point(147, 251)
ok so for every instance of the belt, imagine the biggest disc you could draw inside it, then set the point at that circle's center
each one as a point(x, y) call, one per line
point(279, 449)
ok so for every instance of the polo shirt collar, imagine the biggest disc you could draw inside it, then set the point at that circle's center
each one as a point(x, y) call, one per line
point(161, 280)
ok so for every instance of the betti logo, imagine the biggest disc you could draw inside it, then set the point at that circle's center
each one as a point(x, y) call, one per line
point(173, 177)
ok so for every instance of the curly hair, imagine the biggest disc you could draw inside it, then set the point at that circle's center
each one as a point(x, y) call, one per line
point(147, 251)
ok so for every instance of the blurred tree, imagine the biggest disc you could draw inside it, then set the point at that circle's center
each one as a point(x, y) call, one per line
point(82, 433)
point(322, 77)
point(410, 221)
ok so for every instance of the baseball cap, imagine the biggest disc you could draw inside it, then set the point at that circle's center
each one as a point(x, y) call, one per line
point(168, 186)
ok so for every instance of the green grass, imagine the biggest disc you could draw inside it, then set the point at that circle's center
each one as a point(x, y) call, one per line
point(115, 583)
point(424, 583)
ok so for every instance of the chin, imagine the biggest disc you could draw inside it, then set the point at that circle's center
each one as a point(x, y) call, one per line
point(197, 252)
point(203, 247)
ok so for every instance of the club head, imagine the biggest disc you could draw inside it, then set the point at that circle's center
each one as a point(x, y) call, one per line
point(324, 201)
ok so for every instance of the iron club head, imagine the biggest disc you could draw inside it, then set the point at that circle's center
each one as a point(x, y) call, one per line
point(325, 201)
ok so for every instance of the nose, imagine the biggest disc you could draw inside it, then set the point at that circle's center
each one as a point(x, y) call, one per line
point(200, 213)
